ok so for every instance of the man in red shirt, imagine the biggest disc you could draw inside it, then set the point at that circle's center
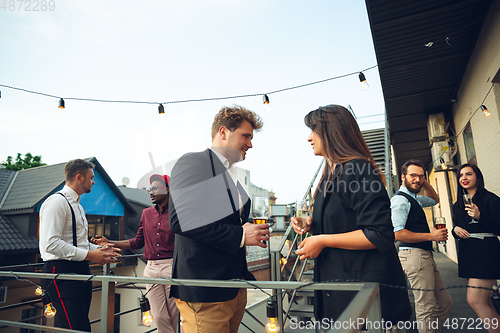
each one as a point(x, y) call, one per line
point(158, 241)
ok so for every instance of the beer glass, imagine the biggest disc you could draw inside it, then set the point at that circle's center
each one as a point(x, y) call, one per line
point(440, 224)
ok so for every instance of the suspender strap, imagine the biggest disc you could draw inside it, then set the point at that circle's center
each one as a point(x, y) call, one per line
point(73, 219)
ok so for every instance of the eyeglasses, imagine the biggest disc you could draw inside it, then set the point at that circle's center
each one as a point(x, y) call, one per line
point(414, 176)
point(155, 188)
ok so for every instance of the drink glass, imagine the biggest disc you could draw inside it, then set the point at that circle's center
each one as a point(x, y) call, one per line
point(302, 211)
point(468, 202)
point(440, 224)
point(260, 210)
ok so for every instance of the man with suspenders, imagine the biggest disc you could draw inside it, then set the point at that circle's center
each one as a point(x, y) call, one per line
point(415, 249)
point(65, 248)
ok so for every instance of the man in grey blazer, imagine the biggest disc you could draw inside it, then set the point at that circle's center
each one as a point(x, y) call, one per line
point(208, 208)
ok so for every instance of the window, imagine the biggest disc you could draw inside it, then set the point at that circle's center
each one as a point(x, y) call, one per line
point(26, 314)
point(3, 294)
point(470, 151)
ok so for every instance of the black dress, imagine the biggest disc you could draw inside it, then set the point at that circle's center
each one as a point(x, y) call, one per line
point(358, 201)
point(480, 258)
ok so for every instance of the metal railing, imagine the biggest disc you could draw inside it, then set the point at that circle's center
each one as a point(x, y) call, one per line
point(366, 303)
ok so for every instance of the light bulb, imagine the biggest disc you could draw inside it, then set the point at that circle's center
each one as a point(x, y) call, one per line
point(50, 311)
point(147, 316)
point(161, 109)
point(443, 165)
point(39, 291)
point(61, 113)
point(272, 325)
point(265, 99)
point(485, 111)
point(362, 79)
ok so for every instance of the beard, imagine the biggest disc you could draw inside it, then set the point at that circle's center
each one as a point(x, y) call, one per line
point(408, 184)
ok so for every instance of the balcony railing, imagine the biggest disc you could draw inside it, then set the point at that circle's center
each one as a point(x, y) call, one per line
point(366, 304)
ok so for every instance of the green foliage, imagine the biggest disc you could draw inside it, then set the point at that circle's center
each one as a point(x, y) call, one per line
point(29, 161)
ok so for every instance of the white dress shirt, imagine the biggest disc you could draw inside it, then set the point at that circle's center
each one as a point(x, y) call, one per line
point(234, 176)
point(56, 229)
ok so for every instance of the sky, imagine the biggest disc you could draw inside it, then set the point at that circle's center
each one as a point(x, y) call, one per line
point(165, 51)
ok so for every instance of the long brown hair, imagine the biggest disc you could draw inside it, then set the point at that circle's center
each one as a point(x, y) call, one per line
point(459, 210)
point(341, 138)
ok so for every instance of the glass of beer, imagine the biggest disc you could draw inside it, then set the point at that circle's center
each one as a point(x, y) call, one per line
point(468, 202)
point(440, 224)
point(260, 210)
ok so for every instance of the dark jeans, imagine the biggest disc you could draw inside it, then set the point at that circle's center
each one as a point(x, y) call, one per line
point(71, 298)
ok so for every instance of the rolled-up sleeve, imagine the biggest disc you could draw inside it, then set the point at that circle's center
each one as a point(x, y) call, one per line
point(400, 208)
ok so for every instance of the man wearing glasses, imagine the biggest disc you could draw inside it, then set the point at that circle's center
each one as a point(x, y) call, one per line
point(415, 249)
point(155, 236)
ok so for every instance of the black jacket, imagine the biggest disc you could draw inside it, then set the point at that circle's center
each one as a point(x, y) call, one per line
point(357, 200)
point(205, 217)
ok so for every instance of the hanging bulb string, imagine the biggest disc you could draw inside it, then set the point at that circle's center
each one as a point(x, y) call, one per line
point(478, 108)
point(190, 100)
point(447, 36)
point(25, 280)
point(463, 129)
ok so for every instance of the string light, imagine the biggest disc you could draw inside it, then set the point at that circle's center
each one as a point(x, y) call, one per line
point(161, 109)
point(362, 79)
point(272, 324)
point(147, 316)
point(265, 99)
point(443, 165)
point(485, 110)
point(39, 291)
point(50, 310)
point(61, 104)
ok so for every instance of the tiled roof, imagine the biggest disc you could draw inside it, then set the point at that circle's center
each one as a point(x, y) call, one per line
point(136, 195)
point(5, 179)
point(12, 240)
point(33, 185)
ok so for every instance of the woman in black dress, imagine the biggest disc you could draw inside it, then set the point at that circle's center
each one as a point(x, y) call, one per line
point(353, 237)
point(476, 227)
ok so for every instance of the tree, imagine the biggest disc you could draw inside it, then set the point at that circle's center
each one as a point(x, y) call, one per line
point(29, 161)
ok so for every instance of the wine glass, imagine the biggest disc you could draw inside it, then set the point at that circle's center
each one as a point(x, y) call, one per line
point(468, 202)
point(440, 224)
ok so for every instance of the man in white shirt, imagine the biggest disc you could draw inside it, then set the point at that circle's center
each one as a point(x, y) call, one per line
point(208, 210)
point(65, 248)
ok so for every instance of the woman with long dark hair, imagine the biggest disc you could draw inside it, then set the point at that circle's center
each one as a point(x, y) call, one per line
point(353, 238)
point(476, 226)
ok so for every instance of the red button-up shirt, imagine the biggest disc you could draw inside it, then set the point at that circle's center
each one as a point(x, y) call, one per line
point(154, 235)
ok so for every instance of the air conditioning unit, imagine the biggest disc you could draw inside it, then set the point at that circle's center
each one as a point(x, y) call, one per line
point(441, 150)
point(436, 127)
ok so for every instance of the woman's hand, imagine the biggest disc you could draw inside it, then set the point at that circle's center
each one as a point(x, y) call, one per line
point(301, 225)
point(461, 232)
point(99, 240)
point(310, 247)
point(473, 211)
